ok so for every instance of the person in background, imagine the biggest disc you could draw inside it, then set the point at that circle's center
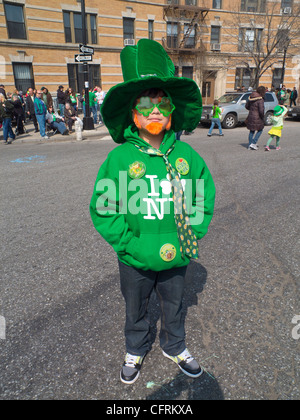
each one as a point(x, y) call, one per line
point(293, 97)
point(61, 100)
point(72, 98)
point(29, 108)
point(256, 118)
point(277, 125)
point(92, 103)
point(6, 115)
point(18, 113)
point(70, 116)
point(100, 95)
point(47, 97)
point(2, 91)
point(56, 122)
point(216, 119)
point(40, 112)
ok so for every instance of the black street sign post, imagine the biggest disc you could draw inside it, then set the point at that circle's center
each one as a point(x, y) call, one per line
point(88, 122)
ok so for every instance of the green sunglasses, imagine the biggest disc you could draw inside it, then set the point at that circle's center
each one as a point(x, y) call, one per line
point(146, 105)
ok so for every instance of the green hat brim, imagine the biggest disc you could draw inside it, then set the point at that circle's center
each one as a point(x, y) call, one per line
point(116, 109)
point(277, 114)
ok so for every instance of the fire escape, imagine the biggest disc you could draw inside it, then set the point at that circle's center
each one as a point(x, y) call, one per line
point(183, 18)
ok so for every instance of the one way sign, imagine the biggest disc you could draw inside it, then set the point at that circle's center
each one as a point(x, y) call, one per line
point(85, 49)
point(80, 58)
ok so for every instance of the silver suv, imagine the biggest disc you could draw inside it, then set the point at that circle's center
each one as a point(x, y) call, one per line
point(234, 110)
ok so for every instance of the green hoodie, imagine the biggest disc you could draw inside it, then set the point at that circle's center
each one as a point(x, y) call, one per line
point(132, 206)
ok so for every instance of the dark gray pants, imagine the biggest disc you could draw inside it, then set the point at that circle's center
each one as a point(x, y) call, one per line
point(137, 286)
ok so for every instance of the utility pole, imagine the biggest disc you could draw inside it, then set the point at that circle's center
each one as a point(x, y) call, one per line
point(88, 122)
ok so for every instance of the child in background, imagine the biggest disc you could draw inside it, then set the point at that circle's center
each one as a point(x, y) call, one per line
point(277, 121)
point(216, 119)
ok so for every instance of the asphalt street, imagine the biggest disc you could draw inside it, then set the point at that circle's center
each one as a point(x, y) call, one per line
point(60, 294)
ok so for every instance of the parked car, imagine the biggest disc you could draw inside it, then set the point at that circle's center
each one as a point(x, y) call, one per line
point(294, 112)
point(234, 110)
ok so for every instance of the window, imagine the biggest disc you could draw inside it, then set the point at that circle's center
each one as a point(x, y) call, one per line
point(173, 2)
point(269, 97)
point(244, 77)
point(93, 21)
point(277, 78)
point(128, 28)
point(190, 34)
point(15, 21)
point(215, 34)
point(254, 6)
point(73, 28)
point(217, 4)
point(67, 25)
point(188, 72)
point(76, 76)
point(206, 89)
point(151, 29)
point(286, 3)
point(250, 39)
point(172, 34)
point(191, 2)
point(23, 75)
point(78, 30)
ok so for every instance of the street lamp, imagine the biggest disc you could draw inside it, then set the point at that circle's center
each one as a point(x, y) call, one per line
point(88, 122)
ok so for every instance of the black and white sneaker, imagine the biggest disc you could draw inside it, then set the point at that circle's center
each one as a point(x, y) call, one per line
point(131, 368)
point(187, 364)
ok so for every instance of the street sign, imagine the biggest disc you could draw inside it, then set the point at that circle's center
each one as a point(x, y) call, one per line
point(85, 49)
point(81, 58)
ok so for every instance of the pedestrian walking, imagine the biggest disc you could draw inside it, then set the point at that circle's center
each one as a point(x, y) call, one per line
point(40, 113)
point(277, 125)
point(29, 108)
point(216, 119)
point(293, 97)
point(61, 100)
point(154, 244)
point(6, 116)
point(256, 118)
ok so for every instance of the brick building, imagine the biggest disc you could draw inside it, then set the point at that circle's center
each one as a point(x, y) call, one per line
point(208, 40)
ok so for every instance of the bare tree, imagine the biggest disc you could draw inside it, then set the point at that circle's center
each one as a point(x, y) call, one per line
point(265, 38)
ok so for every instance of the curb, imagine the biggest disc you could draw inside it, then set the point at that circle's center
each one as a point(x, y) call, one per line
point(100, 133)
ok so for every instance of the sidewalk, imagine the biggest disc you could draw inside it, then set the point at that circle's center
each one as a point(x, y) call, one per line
point(99, 133)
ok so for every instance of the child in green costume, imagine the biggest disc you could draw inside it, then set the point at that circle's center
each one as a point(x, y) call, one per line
point(153, 198)
point(277, 125)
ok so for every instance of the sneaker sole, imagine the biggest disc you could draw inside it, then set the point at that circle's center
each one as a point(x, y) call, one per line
point(184, 371)
point(130, 382)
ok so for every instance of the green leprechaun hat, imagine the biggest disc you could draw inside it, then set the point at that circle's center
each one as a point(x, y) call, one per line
point(278, 110)
point(145, 66)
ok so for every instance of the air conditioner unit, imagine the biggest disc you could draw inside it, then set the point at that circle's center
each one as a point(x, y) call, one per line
point(216, 47)
point(287, 10)
point(129, 42)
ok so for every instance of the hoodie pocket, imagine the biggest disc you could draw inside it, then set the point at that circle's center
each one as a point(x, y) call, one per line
point(155, 252)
